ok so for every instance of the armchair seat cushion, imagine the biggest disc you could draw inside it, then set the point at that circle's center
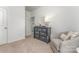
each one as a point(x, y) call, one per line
point(70, 46)
point(55, 44)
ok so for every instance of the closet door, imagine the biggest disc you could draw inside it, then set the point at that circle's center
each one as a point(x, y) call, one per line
point(3, 26)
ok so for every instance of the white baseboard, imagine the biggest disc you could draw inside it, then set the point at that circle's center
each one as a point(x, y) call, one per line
point(21, 38)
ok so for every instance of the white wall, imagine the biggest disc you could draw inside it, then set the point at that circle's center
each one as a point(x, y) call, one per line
point(28, 30)
point(62, 18)
point(75, 25)
point(16, 23)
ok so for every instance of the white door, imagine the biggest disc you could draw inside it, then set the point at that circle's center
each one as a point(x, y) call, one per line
point(3, 26)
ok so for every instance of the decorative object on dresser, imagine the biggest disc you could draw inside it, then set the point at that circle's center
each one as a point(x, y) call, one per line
point(42, 33)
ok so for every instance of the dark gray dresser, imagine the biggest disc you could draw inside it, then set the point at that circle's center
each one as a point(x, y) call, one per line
point(42, 33)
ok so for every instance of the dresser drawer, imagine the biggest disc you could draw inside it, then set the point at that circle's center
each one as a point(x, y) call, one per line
point(43, 33)
point(44, 30)
point(36, 29)
point(45, 39)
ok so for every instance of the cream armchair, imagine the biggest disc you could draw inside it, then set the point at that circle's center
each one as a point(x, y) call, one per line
point(68, 42)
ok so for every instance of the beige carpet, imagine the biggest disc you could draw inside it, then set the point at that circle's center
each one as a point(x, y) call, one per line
point(28, 45)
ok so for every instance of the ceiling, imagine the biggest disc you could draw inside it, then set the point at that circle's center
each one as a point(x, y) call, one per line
point(31, 8)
